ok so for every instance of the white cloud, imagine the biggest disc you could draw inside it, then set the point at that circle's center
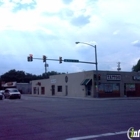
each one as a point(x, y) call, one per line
point(53, 27)
point(136, 43)
point(67, 1)
point(25, 1)
point(116, 32)
point(49, 6)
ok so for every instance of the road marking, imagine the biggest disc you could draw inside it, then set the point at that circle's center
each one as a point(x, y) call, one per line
point(96, 136)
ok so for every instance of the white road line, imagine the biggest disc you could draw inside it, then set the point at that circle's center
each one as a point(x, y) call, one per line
point(96, 136)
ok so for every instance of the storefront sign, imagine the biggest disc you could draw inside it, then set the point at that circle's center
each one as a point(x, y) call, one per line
point(113, 77)
point(53, 81)
point(137, 78)
point(38, 83)
point(9, 84)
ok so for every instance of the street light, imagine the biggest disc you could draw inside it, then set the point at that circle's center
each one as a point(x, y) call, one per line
point(94, 46)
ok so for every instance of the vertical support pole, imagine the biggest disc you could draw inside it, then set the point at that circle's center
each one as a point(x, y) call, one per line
point(46, 69)
point(96, 72)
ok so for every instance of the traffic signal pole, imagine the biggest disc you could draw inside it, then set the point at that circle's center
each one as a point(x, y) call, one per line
point(44, 58)
point(46, 65)
point(46, 69)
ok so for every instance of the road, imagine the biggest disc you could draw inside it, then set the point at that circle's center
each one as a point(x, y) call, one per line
point(41, 118)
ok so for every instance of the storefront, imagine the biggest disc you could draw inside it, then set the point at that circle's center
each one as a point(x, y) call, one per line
point(132, 89)
point(119, 84)
point(86, 84)
point(24, 88)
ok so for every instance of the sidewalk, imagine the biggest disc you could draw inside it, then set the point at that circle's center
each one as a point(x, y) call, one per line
point(85, 98)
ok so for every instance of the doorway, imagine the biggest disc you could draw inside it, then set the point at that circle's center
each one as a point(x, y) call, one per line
point(66, 90)
point(53, 89)
point(88, 90)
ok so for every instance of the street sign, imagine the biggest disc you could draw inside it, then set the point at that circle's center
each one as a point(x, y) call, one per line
point(71, 60)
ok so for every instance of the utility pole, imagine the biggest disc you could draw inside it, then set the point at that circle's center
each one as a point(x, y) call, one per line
point(46, 65)
point(96, 63)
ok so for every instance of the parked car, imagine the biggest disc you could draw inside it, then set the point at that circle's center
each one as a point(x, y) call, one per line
point(1, 94)
point(12, 93)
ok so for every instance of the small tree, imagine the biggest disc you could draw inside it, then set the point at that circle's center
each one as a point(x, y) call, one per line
point(136, 67)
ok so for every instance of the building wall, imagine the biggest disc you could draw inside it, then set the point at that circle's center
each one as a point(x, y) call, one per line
point(72, 83)
point(63, 85)
point(111, 84)
point(126, 78)
point(24, 88)
point(41, 87)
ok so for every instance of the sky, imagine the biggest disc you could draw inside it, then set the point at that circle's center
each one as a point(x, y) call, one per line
point(51, 28)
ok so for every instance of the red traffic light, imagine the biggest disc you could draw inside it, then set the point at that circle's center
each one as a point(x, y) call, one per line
point(30, 57)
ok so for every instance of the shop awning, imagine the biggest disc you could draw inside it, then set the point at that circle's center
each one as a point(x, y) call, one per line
point(86, 82)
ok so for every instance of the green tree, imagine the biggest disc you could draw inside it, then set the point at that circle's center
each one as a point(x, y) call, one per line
point(13, 75)
point(136, 67)
point(21, 76)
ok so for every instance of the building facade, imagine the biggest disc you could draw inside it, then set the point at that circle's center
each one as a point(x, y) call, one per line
point(24, 88)
point(84, 84)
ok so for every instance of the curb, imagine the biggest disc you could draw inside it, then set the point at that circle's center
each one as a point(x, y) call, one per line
point(85, 98)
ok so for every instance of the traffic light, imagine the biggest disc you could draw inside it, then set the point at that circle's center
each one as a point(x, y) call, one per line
point(30, 58)
point(44, 58)
point(95, 76)
point(99, 77)
point(60, 59)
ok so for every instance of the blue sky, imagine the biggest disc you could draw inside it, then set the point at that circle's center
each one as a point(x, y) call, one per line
point(51, 28)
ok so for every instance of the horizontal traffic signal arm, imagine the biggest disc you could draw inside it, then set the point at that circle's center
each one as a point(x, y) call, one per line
point(67, 59)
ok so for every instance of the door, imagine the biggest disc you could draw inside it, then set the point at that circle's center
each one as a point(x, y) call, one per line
point(66, 90)
point(88, 90)
point(53, 89)
point(42, 90)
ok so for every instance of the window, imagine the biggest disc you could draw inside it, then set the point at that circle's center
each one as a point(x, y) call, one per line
point(36, 90)
point(109, 88)
point(130, 87)
point(14, 90)
point(59, 89)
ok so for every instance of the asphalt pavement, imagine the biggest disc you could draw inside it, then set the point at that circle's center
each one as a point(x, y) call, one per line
point(56, 118)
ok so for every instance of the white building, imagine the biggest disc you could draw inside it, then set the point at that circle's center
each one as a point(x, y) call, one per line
point(84, 84)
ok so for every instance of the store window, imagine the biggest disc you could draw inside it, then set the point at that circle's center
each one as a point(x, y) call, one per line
point(109, 88)
point(59, 88)
point(130, 87)
point(130, 90)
